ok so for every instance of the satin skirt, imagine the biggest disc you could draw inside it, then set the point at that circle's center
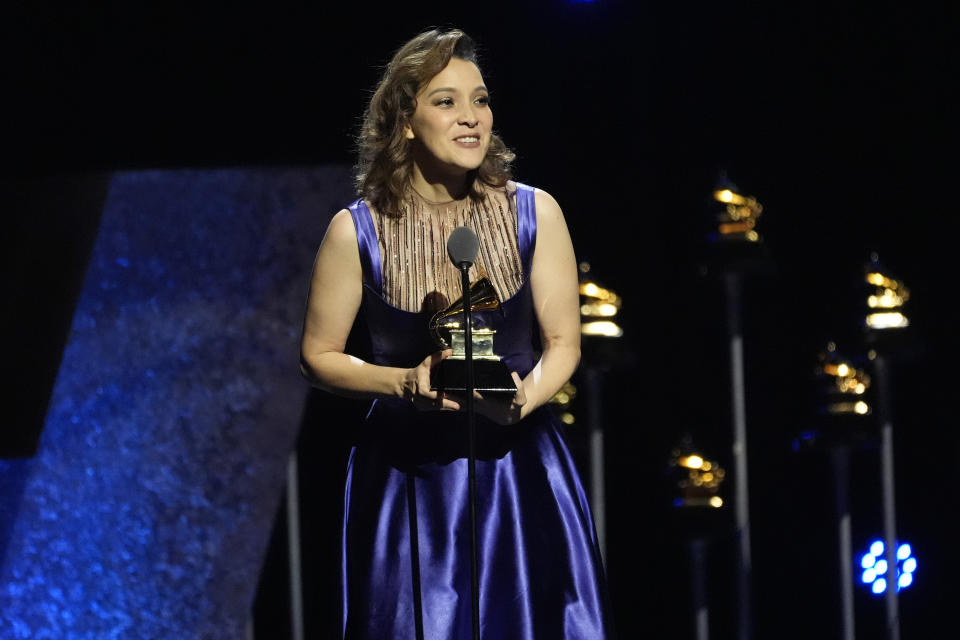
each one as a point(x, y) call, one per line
point(407, 533)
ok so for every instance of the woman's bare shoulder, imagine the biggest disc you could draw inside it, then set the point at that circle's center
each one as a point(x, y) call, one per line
point(547, 206)
point(341, 228)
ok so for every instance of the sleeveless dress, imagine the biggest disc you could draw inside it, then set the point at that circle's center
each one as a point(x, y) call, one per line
point(406, 536)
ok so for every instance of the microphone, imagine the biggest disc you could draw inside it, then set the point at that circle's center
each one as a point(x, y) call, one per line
point(462, 247)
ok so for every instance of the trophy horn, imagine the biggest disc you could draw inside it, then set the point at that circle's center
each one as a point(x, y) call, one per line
point(482, 297)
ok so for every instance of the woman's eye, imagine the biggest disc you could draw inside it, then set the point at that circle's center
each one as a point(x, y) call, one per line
point(483, 100)
point(444, 102)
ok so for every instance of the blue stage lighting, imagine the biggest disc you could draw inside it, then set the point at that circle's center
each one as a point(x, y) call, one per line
point(875, 568)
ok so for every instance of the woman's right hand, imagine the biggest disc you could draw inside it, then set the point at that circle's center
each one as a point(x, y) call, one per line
point(416, 385)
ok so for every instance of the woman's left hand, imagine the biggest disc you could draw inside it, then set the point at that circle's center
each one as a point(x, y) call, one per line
point(499, 408)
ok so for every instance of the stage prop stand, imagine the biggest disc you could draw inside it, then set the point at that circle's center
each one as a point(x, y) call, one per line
point(697, 511)
point(841, 409)
point(889, 506)
point(698, 572)
point(294, 555)
point(885, 322)
point(842, 426)
point(293, 546)
point(738, 250)
point(841, 474)
point(599, 309)
point(593, 379)
point(844, 408)
point(733, 282)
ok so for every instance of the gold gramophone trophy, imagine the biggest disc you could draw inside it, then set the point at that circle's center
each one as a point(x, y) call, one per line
point(490, 373)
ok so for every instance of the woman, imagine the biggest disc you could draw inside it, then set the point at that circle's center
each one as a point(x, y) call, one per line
point(429, 162)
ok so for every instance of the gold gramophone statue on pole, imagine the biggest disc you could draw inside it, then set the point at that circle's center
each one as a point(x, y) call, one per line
point(490, 373)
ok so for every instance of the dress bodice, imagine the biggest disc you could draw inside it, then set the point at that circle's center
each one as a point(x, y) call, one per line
point(401, 338)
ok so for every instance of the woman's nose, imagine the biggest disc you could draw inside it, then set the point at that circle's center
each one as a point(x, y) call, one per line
point(468, 117)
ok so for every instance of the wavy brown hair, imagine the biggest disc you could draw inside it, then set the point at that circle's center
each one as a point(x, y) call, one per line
point(384, 156)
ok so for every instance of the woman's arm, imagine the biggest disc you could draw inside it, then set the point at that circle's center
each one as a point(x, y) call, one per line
point(556, 301)
point(336, 290)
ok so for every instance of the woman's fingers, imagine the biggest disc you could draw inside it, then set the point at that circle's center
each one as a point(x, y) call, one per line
point(500, 409)
point(437, 356)
point(426, 399)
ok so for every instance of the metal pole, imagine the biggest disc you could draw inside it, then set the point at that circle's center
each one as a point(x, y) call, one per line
point(471, 452)
point(889, 506)
point(698, 568)
point(293, 544)
point(597, 488)
point(741, 504)
point(845, 544)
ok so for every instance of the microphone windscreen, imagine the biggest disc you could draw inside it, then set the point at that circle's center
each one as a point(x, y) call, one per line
point(462, 246)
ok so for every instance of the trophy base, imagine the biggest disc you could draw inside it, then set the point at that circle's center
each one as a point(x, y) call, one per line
point(489, 376)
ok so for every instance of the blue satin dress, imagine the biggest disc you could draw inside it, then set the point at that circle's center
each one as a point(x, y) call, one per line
point(406, 538)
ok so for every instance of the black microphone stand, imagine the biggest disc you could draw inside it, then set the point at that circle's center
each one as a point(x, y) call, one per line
point(471, 446)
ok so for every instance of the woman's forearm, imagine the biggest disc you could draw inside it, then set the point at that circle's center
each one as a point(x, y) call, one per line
point(554, 369)
point(349, 376)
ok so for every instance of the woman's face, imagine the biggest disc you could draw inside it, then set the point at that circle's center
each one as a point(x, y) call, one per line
point(451, 125)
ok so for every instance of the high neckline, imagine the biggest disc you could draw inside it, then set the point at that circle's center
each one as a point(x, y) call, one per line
point(426, 200)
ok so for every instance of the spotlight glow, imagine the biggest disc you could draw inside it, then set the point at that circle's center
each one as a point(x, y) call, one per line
point(887, 320)
point(876, 571)
point(601, 328)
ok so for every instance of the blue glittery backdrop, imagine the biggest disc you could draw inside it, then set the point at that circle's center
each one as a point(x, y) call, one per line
point(147, 510)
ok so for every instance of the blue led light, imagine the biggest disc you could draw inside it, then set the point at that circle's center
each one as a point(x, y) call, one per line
point(876, 569)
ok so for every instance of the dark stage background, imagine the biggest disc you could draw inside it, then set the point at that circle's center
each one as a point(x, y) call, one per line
point(837, 116)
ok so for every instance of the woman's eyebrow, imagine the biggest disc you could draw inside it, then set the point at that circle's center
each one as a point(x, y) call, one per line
point(439, 89)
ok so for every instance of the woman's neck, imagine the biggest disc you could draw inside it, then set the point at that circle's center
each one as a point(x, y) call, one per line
point(437, 188)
